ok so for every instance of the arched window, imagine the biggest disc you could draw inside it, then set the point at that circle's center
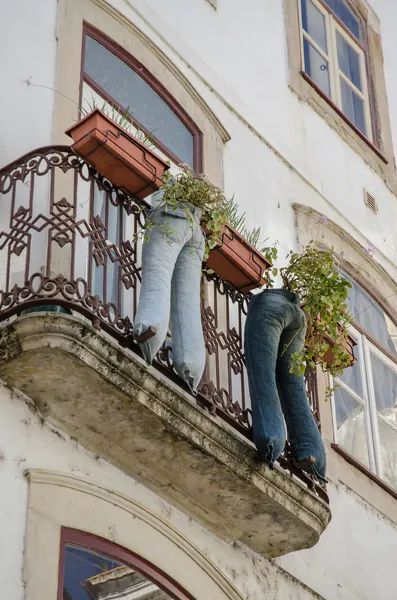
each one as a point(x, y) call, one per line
point(115, 81)
point(92, 568)
point(119, 79)
point(365, 399)
point(145, 548)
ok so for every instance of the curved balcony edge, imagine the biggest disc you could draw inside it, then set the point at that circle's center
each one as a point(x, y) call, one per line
point(103, 395)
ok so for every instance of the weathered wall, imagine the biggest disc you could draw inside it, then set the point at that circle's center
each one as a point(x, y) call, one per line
point(338, 568)
point(351, 560)
point(26, 442)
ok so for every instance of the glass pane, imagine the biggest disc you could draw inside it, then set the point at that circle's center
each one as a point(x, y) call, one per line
point(316, 67)
point(388, 452)
point(349, 60)
point(313, 23)
point(343, 12)
point(352, 376)
point(129, 90)
point(98, 269)
point(350, 422)
point(367, 313)
point(90, 575)
point(352, 106)
point(385, 386)
point(113, 236)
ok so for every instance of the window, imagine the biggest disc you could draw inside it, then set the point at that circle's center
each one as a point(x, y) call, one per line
point(95, 569)
point(334, 58)
point(365, 399)
point(123, 82)
point(63, 507)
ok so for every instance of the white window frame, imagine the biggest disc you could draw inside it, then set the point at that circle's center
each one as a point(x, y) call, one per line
point(332, 26)
point(363, 351)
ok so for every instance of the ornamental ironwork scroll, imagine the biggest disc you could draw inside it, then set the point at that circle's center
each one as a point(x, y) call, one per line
point(66, 238)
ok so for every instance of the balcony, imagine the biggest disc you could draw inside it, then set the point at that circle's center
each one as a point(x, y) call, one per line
point(65, 236)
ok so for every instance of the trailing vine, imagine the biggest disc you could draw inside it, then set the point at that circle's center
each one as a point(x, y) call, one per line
point(323, 291)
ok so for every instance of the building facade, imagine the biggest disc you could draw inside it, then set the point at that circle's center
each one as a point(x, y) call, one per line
point(115, 481)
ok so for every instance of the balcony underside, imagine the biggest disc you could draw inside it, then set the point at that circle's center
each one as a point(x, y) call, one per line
point(104, 397)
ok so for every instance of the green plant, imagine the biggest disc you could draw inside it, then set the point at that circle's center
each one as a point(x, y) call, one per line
point(115, 112)
point(187, 189)
point(253, 236)
point(323, 291)
point(121, 117)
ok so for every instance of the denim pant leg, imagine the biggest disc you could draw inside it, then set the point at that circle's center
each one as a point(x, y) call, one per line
point(303, 433)
point(263, 329)
point(158, 261)
point(188, 350)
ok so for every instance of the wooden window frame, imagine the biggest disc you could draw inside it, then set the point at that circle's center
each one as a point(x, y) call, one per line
point(154, 83)
point(334, 25)
point(92, 542)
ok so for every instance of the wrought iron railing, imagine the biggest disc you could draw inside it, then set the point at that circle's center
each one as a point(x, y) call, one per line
point(66, 239)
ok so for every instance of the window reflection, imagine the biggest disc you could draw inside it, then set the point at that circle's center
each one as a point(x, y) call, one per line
point(106, 287)
point(352, 377)
point(129, 90)
point(343, 12)
point(353, 106)
point(367, 313)
point(316, 67)
point(351, 426)
point(313, 22)
point(385, 386)
point(89, 575)
point(365, 403)
point(349, 60)
point(388, 452)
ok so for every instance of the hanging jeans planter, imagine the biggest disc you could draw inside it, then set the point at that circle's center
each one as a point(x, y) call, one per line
point(171, 277)
point(275, 329)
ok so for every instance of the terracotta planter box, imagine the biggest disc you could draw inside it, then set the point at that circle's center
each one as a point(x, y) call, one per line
point(348, 344)
point(117, 155)
point(237, 262)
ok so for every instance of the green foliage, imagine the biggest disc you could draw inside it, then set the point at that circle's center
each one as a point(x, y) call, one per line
point(186, 190)
point(234, 217)
point(121, 117)
point(323, 290)
point(330, 391)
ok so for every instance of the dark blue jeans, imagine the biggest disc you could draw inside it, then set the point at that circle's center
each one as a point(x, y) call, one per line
point(275, 329)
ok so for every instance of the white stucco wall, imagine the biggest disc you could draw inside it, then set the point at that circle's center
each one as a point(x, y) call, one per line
point(237, 58)
point(351, 561)
point(27, 443)
point(27, 53)
point(339, 567)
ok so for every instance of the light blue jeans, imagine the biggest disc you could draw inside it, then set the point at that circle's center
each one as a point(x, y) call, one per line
point(171, 279)
point(274, 330)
